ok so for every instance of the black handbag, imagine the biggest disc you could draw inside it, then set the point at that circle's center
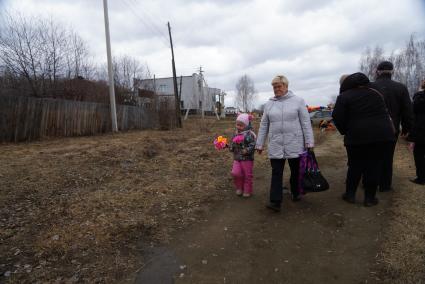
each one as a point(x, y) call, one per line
point(313, 180)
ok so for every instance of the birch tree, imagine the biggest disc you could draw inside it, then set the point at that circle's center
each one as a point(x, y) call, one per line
point(245, 95)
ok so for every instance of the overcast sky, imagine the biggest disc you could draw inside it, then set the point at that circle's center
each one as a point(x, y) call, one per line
point(312, 42)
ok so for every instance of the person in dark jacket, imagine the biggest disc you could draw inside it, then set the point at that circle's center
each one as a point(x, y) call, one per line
point(400, 108)
point(361, 116)
point(416, 136)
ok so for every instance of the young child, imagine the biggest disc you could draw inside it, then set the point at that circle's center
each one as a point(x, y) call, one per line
point(243, 147)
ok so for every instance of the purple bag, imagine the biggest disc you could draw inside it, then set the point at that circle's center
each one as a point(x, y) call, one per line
point(310, 177)
point(302, 170)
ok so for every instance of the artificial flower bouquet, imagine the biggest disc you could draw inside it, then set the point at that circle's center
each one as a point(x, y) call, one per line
point(220, 143)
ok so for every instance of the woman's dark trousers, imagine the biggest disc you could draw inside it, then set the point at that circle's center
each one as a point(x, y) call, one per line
point(365, 161)
point(419, 155)
point(278, 166)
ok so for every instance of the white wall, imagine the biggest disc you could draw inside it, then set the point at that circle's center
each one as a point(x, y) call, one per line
point(190, 93)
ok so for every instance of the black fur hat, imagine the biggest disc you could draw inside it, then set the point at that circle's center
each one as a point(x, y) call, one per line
point(385, 66)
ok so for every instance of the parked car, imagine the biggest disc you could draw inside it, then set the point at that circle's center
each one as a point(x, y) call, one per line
point(318, 116)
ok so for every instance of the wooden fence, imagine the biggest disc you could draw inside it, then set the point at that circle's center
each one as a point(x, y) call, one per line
point(28, 118)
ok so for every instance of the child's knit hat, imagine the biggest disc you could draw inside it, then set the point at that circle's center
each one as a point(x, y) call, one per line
point(244, 118)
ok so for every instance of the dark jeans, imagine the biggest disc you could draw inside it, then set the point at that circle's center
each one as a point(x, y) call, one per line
point(365, 161)
point(278, 166)
point(387, 167)
point(419, 155)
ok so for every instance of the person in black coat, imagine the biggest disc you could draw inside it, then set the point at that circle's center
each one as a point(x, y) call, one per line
point(361, 116)
point(416, 136)
point(399, 105)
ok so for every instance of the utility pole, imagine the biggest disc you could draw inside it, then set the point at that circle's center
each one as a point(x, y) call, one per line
point(176, 96)
point(110, 70)
point(201, 89)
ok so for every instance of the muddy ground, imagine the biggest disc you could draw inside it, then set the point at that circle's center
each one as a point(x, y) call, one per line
point(157, 206)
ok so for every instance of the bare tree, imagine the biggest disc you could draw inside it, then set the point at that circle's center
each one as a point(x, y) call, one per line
point(409, 63)
point(41, 57)
point(53, 53)
point(127, 69)
point(40, 52)
point(245, 93)
point(21, 49)
point(370, 60)
point(128, 72)
point(78, 60)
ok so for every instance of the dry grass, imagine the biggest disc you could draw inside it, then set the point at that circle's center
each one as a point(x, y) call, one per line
point(403, 250)
point(83, 209)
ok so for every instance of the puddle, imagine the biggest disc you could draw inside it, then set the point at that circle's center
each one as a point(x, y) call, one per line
point(161, 266)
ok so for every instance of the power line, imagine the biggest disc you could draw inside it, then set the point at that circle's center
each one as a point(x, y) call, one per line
point(154, 15)
point(147, 25)
point(150, 18)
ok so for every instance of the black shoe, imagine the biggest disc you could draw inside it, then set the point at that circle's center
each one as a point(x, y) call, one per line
point(385, 189)
point(295, 198)
point(370, 202)
point(349, 199)
point(273, 206)
point(418, 181)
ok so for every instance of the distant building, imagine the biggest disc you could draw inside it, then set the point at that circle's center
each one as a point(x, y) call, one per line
point(193, 93)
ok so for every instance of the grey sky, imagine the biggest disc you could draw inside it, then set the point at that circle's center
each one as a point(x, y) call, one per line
point(311, 42)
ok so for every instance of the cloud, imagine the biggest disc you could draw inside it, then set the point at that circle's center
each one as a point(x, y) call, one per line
point(312, 42)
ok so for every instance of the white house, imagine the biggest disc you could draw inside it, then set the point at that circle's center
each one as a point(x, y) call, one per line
point(194, 93)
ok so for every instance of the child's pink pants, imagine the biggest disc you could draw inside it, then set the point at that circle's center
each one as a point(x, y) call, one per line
point(242, 175)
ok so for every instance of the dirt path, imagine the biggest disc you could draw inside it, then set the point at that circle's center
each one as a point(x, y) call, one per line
point(318, 240)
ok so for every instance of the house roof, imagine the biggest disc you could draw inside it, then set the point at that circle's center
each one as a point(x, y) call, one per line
point(187, 76)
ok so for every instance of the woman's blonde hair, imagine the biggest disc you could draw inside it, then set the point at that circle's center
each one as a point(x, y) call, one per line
point(280, 79)
point(342, 78)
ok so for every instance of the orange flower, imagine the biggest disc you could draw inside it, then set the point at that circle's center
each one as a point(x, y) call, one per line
point(220, 142)
point(222, 139)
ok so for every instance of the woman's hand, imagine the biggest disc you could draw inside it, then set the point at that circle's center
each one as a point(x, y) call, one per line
point(259, 150)
point(411, 146)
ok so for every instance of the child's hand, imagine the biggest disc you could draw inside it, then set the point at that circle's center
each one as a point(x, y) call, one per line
point(244, 151)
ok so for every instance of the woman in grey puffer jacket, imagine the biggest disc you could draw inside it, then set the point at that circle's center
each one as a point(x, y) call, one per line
point(287, 123)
